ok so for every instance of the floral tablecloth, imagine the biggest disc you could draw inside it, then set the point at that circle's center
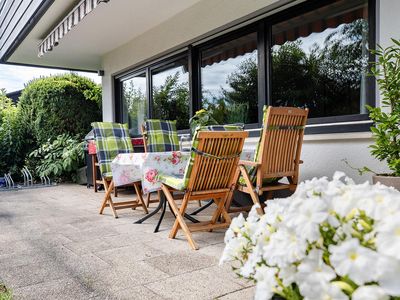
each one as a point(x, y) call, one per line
point(131, 167)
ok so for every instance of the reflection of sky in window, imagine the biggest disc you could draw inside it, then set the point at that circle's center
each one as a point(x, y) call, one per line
point(160, 78)
point(214, 77)
point(139, 84)
point(315, 38)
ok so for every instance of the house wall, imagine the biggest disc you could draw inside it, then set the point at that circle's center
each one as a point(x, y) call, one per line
point(322, 153)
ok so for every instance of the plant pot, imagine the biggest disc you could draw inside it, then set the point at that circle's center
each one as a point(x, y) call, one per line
point(387, 180)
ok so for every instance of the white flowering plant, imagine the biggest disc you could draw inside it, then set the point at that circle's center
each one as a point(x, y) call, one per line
point(329, 240)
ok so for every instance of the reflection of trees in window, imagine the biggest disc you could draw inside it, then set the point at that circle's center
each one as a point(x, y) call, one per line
point(229, 80)
point(328, 78)
point(171, 101)
point(135, 105)
point(238, 102)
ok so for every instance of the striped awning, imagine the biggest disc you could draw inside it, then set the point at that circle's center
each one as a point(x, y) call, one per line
point(80, 11)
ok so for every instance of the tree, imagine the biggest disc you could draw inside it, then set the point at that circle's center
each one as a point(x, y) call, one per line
point(171, 101)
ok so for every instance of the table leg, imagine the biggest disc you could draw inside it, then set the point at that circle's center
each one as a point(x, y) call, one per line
point(162, 212)
point(160, 205)
point(208, 204)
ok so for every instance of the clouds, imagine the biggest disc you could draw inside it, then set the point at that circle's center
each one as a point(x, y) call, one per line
point(14, 78)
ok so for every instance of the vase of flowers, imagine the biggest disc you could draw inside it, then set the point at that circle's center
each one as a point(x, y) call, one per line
point(330, 240)
point(386, 129)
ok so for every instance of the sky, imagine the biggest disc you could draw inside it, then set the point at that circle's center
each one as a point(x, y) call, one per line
point(14, 78)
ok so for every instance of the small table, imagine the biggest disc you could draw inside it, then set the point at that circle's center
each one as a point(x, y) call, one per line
point(131, 167)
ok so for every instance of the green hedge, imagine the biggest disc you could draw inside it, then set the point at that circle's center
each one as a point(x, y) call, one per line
point(60, 104)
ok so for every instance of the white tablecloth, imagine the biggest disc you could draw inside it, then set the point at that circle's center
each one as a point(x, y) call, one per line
point(132, 167)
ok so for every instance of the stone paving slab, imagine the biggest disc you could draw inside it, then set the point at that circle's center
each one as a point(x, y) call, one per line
point(54, 245)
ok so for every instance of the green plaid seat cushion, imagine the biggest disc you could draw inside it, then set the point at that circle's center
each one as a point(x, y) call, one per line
point(111, 140)
point(181, 182)
point(161, 135)
point(175, 181)
point(253, 170)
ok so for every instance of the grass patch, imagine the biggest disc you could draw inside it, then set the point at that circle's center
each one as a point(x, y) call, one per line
point(5, 294)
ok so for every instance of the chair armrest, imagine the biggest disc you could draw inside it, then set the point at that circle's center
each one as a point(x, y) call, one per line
point(248, 163)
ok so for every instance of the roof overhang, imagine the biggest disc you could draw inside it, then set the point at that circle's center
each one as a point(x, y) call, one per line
point(109, 26)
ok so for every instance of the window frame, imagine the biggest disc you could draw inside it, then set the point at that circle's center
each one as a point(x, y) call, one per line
point(262, 27)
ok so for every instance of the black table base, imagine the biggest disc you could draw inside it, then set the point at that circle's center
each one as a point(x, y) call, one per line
point(163, 205)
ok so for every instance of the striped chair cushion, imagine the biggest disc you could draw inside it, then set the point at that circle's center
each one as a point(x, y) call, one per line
point(253, 170)
point(161, 136)
point(111, 140)
point(181, 182)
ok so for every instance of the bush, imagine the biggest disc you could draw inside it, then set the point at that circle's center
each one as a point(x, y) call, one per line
point(11, 141)
point(58, 158)
point(59, 104)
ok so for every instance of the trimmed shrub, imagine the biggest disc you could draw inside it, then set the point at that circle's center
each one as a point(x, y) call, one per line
point(59, 104)
point(11, 140)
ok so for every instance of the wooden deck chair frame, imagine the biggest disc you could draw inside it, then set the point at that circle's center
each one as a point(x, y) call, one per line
point(213, 176)
point(279, 153)
point(133, 204)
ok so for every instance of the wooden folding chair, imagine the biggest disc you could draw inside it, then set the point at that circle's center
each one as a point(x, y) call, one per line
point(111, 140)
point(277, 155)
point(210, 174)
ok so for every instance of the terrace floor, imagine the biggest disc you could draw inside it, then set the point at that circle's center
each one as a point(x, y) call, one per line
point(55, 245)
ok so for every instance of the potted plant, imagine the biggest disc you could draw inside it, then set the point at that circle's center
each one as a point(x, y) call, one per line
point(330, 240)
point(386, 129)
point(201, 118)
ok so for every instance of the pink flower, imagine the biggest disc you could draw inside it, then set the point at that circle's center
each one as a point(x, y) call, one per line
point(151, 175)
point(124, 177)
point(176, 158)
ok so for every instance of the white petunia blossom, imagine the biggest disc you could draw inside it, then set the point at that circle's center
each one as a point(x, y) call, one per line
point(266, 283)
point(389, 275)
point(315, 244)
point(352, 259)
point(369, 292)
point(388, 236)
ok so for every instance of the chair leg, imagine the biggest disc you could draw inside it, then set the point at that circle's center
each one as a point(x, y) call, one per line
point(107, 198)
point(140, 197)
point(229, 199)
point(179, 222)
point(250, 187)
point(148, 199)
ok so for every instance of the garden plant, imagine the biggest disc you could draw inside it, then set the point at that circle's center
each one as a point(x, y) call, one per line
point(330, 240)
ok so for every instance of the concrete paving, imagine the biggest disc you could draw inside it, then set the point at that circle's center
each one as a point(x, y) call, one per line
point(55, 245)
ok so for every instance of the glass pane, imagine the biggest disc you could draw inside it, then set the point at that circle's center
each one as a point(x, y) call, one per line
point(171, 93)
point(134, 102)
point(229, 80)
point(319, 60)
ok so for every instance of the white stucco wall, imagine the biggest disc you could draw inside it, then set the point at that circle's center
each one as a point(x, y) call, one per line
point(322, 154)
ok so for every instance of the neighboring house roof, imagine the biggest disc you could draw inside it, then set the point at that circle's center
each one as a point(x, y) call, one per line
point(17, 18)
point(14, 96)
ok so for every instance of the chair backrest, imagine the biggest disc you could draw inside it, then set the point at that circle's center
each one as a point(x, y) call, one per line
point(281, 142)
point(160, 136)
point(111, 140)
point(214, 158)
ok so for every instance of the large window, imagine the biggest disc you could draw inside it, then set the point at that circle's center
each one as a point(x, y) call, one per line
point(134, 102)
point(320, 59)
point(229, 80)
point(170, 91)
point(312, 55)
